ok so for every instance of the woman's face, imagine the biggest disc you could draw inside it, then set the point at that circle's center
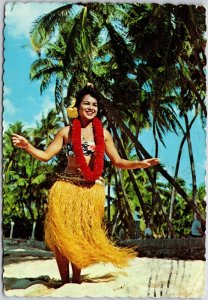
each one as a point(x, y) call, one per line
point(88, 108)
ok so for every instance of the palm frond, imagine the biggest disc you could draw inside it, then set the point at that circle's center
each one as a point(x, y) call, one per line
point(122, 54)
point(46, 25)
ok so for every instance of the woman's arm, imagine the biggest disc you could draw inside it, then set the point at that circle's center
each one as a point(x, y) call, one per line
point(54, 147)
point(121, 163)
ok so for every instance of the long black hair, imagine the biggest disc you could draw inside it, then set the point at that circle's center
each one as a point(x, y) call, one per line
point(87, 90)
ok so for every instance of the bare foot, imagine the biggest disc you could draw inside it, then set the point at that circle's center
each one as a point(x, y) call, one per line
point(76, 280)
point(76, 274)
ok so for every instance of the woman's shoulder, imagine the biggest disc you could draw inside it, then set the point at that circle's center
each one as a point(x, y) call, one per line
point(64, 131)
point(106, 133)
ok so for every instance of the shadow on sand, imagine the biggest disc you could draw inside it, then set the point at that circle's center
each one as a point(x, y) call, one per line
point(11, 283)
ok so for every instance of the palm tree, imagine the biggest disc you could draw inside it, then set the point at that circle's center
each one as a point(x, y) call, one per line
point(126, 130)
point(46, 129)
point(10, 153)
point(173, 193)
point(124, 68)
point(20, 193)
point(27, 180)
point(45, 68)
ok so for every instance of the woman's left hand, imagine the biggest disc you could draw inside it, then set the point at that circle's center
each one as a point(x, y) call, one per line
point(146, 163)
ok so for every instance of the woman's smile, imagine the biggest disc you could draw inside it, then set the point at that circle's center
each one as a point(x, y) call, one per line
point(88, 107)
point(90, 112)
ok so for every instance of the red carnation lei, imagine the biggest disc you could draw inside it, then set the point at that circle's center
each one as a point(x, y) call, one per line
point(90, 175)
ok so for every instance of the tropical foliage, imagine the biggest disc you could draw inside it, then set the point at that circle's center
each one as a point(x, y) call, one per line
point(147, 62)
point(26, 180)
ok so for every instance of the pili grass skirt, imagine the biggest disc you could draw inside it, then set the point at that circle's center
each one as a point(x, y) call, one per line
point(73, 224)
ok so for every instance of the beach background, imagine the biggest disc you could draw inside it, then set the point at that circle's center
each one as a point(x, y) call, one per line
point(31, 272)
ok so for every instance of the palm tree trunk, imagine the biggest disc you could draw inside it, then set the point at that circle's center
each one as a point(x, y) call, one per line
point(59, 100)
point(196, 93)
point(193, 171)
point(117, 212)
point(165, 215)
point(63, 111)
point(136, 188)
point(115, 223)
point(129, 219)
point(110, 112)
point(158, 200)
point(178, 163)
point(153, 182)
point(154, 178)
point(108, 199)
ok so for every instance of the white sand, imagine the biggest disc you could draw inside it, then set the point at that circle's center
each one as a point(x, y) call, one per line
point(144, 277)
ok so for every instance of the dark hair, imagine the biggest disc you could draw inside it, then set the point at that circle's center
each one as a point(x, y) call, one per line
point(87, 90)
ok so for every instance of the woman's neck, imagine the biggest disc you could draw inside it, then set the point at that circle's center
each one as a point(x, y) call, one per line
point(85, 123)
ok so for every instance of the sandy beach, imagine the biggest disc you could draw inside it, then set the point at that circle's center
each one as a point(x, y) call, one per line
point(33, 272)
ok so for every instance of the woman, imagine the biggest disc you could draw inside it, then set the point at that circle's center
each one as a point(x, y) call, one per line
point(73, 224)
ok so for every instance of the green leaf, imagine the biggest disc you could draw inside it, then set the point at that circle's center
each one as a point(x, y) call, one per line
point(99, 70)
point(22, 182)
point(39, 179)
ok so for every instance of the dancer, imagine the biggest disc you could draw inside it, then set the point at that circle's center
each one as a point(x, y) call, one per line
point(73, 224)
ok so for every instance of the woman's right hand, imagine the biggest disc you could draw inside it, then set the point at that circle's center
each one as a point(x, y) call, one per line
point(19, 141)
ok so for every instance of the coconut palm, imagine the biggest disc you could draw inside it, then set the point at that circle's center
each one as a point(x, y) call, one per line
point(173, 193)
point(46, 128)
point(145, 154)
point(20, 185)
point(23, 173)
point(10, 153)
point(124, 68)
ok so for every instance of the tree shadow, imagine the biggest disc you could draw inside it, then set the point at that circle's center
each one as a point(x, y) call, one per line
point(11, 283)
point(15, 259)
point(98, 279)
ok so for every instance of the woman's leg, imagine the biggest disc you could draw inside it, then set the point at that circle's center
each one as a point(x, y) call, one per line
point(76, 274)
point(63, 266)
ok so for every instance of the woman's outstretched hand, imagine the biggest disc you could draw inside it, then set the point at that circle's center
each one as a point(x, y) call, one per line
point(19, 141)
point(146, 163)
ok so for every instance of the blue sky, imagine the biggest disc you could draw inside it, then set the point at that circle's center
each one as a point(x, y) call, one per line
point(22, 100)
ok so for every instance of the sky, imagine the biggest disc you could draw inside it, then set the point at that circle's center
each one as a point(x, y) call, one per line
point(22, 100)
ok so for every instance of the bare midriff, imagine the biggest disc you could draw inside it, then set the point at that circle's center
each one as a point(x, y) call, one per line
point(72, 166)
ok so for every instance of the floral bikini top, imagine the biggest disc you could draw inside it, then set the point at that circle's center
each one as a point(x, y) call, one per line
point(88, 148)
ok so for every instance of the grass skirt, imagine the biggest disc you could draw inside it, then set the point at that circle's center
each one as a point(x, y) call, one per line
point(73, 224)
